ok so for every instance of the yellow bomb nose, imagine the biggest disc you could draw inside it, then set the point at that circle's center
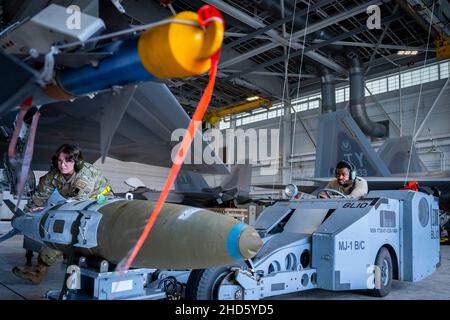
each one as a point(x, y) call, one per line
point(176, 50)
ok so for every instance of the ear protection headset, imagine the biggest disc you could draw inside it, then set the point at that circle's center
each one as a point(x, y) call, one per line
point(79, 163)
point(77, 166)
point(349, 165)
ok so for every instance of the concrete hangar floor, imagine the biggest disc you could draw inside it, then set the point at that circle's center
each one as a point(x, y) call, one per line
point(434, 287)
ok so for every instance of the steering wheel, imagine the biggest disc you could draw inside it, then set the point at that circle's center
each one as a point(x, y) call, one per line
point(329, 191)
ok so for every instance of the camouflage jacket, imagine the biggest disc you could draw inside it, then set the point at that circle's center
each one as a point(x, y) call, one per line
point(84, 184)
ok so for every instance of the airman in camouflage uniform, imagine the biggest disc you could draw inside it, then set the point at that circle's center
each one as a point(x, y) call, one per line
point(84, 184)
point(73, 179)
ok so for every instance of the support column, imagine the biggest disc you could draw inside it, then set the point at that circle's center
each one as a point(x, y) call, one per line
point(286, 142)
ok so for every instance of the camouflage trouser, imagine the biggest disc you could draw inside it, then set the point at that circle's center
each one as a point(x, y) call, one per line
point(49, 256)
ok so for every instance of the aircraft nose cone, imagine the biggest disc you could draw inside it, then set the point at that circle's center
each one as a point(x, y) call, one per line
point(249, 243)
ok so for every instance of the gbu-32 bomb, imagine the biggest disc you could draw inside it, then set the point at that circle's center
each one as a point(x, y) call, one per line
point(182, 238)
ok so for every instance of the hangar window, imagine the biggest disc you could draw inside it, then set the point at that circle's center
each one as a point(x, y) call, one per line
point(314, 104)
point(443, 70)
point(300, 106)
point(307, 103)
point(225, 123)
point(257, 115)
point(274, 113)
point(340, 95)
point(406, 79)
point(343, 94)
point(418, 76)
point(376, 86)
point(431, 73)
point(393, 83)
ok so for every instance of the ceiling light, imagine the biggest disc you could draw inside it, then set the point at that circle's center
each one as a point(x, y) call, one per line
point(252, 98)
point(407, 52)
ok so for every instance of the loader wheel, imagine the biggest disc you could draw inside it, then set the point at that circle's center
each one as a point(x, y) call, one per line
point(203, 284)
point(383, 277)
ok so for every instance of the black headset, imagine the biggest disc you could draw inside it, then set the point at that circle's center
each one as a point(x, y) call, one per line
point(349, 166)
point(79, 164)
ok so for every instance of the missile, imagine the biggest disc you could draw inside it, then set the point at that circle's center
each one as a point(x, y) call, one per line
point(183, 237)
point(177, 49)
point(167, 51)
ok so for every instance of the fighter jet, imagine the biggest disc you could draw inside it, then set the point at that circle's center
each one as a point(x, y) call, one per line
point(191, 189)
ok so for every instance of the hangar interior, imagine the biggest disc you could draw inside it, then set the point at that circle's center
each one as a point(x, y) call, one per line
point(376, 70)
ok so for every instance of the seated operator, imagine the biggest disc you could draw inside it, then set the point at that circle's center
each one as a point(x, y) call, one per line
point(347, 182)
point(74, 179)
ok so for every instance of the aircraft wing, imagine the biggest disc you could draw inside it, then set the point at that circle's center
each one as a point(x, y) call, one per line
point(397, 182)
point(386, 183)
point(142, 129)
point(301, 188)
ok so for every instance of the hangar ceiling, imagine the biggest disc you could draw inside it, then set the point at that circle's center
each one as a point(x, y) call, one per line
point(266, 41)
point(260, 50)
